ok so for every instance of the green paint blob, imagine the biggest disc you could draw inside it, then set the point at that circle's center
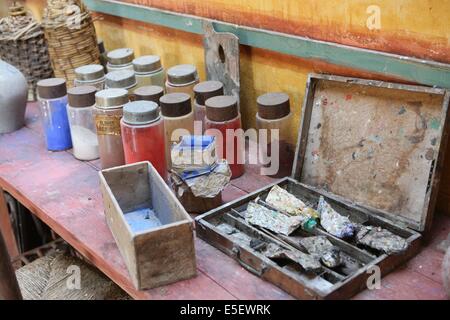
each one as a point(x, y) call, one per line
point(435, 124)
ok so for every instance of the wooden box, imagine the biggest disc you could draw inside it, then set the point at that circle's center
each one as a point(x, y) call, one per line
point(152, 230)
point(374, 150)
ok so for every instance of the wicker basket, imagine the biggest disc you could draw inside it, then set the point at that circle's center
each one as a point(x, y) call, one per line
point(23, 45)
point(71, 37)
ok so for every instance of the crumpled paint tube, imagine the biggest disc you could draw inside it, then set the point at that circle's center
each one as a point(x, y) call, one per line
point(381, 239)
point(306, 261)
point(333, 222)
point(322, 249)
point(275, 221)
point(284, 201)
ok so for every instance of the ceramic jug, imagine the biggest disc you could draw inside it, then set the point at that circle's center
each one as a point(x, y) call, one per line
point(13, 98)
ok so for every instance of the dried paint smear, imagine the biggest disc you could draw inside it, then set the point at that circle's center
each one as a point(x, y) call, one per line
point(381, 239)
point(333, 222)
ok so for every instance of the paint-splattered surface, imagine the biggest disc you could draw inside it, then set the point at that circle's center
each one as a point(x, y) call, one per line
point(374, 146)
point(65, 194)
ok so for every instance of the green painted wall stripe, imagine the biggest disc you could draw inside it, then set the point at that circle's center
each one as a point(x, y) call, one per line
point(411, 69)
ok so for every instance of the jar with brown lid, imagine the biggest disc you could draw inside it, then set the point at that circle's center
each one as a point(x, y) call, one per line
point(149, 93)
point(178, 116)
point(223, 121)
point(182, 78)
point(120, 59)
point(82, 125)
point(124, 79)
point(107, 114)
point(203, 91)
point(149, 71)
point(274, 113)
point(90, 75)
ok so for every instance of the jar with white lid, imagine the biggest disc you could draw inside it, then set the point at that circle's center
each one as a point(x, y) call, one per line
point(123, 79)
point(90, 75)
point(82, 125)
point(120, 59)
point(149, 71)
point(182, 79)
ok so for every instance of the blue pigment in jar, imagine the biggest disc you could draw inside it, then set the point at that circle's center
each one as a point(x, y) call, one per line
point(53, 105)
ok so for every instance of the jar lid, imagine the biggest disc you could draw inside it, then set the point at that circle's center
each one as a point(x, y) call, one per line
point(182, 74)
point(140, 112)
point(52, 88)
point(273, 105)
point(175, 104)
point(221, 108)
point(147, 64)
point(89, 72)
point(149, 93)
point(82, 96)
point(207, 89)
point(111, 98)
point(121, 56)
point(121, 79)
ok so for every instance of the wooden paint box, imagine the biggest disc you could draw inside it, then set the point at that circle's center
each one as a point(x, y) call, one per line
point(151, 228)
point(374, 150)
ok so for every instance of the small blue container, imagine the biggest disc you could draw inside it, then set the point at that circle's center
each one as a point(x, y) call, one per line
point(53, 104)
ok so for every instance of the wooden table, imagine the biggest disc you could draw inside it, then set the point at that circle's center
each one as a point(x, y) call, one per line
point(64, 193)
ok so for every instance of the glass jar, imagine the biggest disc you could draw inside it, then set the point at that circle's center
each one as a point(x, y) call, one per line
point(177, 113)
point(149, 71)
point(149, 93)
point(52, 96)
point(120, 59)
point(143, 135)
point(182, 78)
point(82, 125)
point(103, 54)
point(222, 120)
point(90, 75)
point(203, 91)
point(274, 113)
point(124, 79)
point(107, 114)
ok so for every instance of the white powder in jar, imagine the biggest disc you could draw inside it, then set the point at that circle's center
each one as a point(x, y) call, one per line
point(85, 143)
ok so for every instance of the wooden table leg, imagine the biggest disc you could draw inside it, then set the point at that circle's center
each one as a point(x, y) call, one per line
point(9, 287)
point(6, 228)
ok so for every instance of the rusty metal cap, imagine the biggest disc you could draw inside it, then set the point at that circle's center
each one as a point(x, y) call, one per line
point(182, 74)
point(52, 88)
point(147, 64)
point(207, 89)
point(149, 93)
point(175, 104)
point(89, 72)
point(111, 98)
point(124, 79)
point(221, 108)
point(273, 105)
point(80, 97)
point(120, 56)
point(140, 112)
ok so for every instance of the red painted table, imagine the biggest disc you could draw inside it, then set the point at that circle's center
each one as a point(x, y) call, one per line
point(64, 193)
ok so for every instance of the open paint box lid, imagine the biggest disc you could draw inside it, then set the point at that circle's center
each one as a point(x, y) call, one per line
point(375, 144)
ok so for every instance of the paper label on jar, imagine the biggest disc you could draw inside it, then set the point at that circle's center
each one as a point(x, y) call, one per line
point(108, 124)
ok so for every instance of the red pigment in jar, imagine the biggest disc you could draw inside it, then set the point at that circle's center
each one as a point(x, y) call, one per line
point(222, 121)
point(143, 135)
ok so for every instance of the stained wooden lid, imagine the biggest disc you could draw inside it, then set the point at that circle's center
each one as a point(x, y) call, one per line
point(149, 93)
point(82, 96)
point(175, 104)
point(120, 79)
point(147, 64)
point(374, 144)
point(111, 98)
point(221, 108)
point(140, 112)
point(207, 89)
point(90, 72)
point(52, 88)
point(182, 74)
point(120, 56)
point(273, 105)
